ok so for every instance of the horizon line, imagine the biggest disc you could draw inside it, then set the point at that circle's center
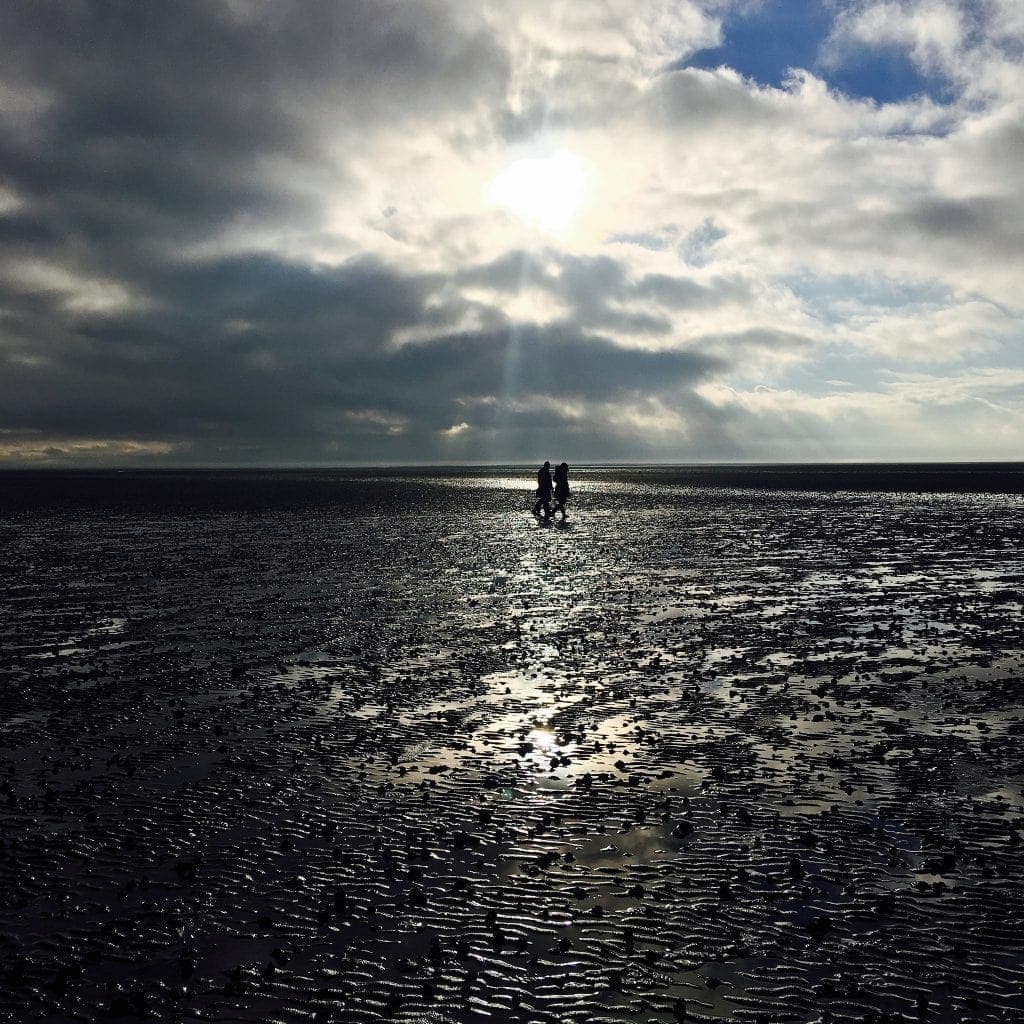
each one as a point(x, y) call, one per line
point(582, 464)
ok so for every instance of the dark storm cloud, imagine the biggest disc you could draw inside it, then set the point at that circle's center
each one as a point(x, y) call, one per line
point(135, 129)
point(995, 222)
point(547, 361)
point(158, 121)
point(257, 350)
point(233, 342)
point(356, 307)
point(19, 232)
point(595, 287)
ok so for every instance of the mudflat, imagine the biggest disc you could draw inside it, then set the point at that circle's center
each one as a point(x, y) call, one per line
point(380, 746)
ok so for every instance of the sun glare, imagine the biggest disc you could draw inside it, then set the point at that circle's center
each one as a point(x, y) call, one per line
point(544, 191)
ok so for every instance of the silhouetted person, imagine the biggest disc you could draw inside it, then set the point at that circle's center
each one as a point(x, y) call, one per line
point(543, 491)
point(561, 488)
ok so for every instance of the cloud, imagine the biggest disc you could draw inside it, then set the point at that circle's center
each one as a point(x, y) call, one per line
point(241, 231)
point(974, 45)
point(37, 450)
point(262, 350)
point(163, 124)
point(932, 31)
point(937, 334)
point(910, 409)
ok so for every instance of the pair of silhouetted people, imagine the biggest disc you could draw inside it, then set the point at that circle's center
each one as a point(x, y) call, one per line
point(546, 485)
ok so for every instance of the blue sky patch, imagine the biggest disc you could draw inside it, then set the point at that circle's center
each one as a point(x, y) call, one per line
point(764, 42)
point(695, 249)
point(830, 298)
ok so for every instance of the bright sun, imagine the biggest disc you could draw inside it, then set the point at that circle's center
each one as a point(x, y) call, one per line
point(544, 191)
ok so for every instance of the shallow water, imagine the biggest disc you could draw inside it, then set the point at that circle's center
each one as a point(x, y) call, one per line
point(293, 747)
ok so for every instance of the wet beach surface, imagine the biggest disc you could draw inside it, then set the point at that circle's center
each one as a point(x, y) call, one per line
point(327, 747)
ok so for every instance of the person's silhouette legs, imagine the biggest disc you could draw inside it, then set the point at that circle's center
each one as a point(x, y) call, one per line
point(543, 491)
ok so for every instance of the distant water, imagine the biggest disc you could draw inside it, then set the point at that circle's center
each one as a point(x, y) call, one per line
point(276, 488)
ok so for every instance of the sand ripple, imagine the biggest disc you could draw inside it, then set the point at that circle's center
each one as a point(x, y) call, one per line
point(702, 755)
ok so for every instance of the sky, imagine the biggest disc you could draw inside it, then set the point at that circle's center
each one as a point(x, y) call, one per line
point(240, 232)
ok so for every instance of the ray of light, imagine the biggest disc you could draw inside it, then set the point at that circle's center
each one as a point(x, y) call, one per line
point(501, 438)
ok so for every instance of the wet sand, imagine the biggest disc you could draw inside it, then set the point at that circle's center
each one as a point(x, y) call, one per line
point(359, 748)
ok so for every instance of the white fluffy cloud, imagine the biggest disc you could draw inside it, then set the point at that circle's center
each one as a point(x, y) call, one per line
point(932, 31)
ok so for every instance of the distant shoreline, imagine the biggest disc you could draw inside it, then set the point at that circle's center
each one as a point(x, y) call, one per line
point(491, 466)
point(256, 488)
